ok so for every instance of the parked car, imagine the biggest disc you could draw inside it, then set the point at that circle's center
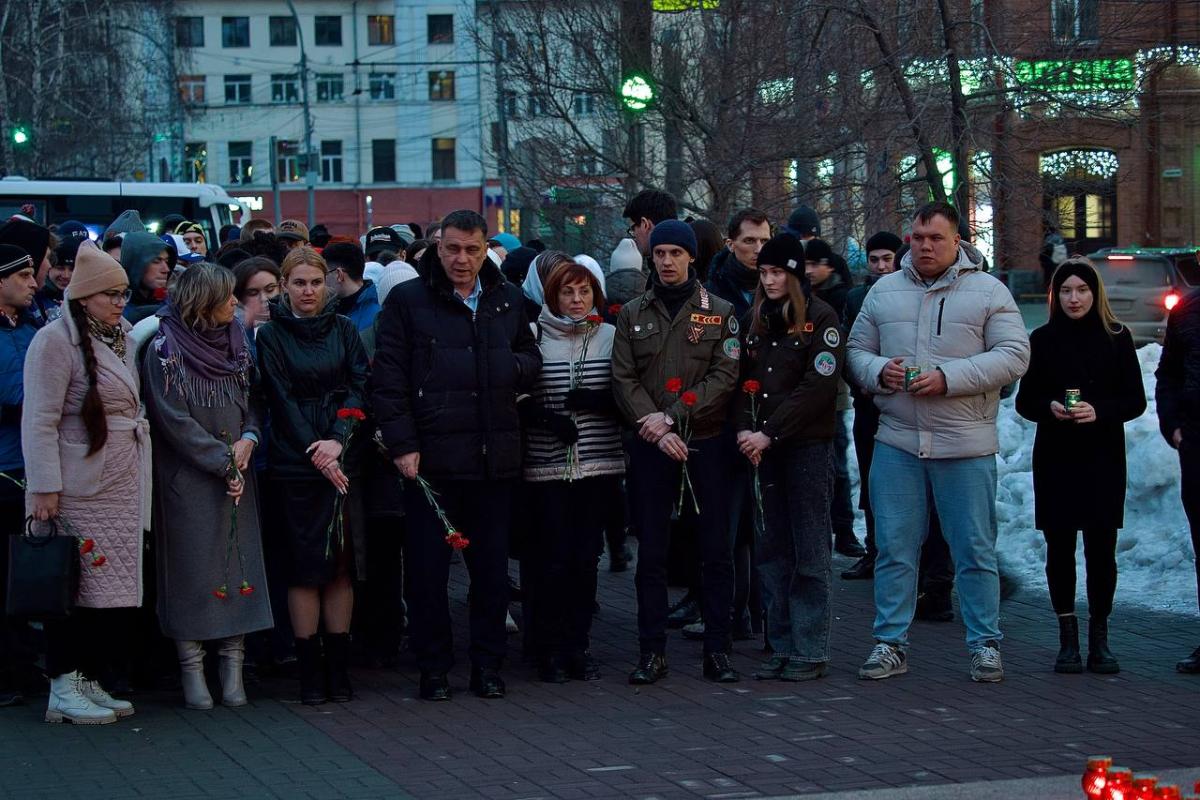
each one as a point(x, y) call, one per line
point(1145, 283)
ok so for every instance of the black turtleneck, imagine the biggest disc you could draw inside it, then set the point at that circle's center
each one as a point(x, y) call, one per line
point(674, 297)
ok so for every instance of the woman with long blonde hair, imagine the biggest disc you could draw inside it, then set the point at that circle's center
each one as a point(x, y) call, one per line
point(786, 413)
point(1084, 383)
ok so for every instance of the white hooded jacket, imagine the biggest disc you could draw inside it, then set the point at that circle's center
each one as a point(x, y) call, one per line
point(965, 324)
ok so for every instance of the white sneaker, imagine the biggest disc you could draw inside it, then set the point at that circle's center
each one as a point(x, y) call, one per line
point(985, 664)
point(885, 661)
point(93, 691)
point(510, 624)
point(68, 703)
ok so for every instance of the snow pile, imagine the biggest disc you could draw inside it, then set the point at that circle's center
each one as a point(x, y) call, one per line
point(1155, 563)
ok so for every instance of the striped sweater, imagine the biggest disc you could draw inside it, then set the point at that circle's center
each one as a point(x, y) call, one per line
point(598, 451)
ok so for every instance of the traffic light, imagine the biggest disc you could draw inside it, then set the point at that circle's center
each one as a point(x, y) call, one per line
point(20, 134)
point(637, 93)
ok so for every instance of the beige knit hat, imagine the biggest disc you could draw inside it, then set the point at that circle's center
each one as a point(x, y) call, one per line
point(95, 272)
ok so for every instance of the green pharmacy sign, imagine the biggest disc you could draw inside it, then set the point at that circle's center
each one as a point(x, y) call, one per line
point(1092, 75)
point(673, 6)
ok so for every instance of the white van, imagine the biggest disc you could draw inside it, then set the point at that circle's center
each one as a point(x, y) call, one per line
point(97, 203)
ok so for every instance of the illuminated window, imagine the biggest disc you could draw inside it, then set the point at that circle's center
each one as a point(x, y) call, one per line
point(381, 29)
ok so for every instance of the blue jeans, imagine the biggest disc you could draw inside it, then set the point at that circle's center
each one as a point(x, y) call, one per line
point(963, 492)
point(794, 549)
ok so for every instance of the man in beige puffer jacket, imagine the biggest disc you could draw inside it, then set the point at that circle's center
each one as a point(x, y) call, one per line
point(937, 437)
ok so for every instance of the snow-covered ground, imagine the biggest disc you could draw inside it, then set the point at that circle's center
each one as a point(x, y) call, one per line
point(1155, 563)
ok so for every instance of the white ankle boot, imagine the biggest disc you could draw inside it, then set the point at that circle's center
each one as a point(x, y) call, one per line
point(191, 665)
point(233, 654)
point(93, 691)
point(68, 703)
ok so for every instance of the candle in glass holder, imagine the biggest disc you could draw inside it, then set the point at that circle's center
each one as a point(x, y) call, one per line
point(1095, 776)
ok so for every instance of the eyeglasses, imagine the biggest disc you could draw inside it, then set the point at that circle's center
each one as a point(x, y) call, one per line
point(117, 297)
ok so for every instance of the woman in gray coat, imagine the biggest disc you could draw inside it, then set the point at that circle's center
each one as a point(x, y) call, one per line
point(197, 383)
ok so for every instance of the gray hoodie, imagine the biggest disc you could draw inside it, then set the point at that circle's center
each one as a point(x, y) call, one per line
point(127, 222)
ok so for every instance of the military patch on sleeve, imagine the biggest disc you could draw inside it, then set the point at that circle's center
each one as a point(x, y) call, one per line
point(825, 363)
point(832, 337)
point(707, 319)
point(732, 348)
point(734, 325)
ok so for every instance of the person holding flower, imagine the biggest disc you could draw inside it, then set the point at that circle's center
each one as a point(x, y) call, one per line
point(675, 366)
point(197, 376)
point(573, 464)
point(91, 476)
point(313, 365)
point(787, 418)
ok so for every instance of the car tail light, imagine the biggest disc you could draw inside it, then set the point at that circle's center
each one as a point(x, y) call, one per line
point(1171, 300)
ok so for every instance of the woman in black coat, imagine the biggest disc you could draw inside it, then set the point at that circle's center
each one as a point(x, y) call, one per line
point(313, 365)
point(1079, 452)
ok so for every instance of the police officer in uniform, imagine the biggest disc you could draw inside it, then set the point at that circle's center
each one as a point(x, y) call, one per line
point(675, 366)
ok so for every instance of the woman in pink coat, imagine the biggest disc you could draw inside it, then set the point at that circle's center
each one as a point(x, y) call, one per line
point(89, 465)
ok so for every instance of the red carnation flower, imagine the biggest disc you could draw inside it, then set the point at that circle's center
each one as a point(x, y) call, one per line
point(87, 546)
point(689, 399)
point(456, 540)
point(674, 385)
point(614, 309)
point(351, 413)
point(99, 561)
point(751, 387)
point(160, 294)
point(595, 319)
point(220, 593)
point(246, 589)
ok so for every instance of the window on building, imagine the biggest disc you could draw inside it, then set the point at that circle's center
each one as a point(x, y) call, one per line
point(241, 166)
point(189, 31)
point(331, 161)
point(195, 162)
point(327, 31)
point(383, 160)
point(191, 90)
point(287, 161)
point(443, 160)
point(583, 104)
point(283, 31)
point(441, 28)
point(1075, 20)
point(538, 105)
point(382, 85)
point(381, 29)
point(512, 107)
point(587, 162)
point(235, 31)
point(237, 89)
point(441, 85)
point(506, 45)
point(331, 87)
point(285, 88)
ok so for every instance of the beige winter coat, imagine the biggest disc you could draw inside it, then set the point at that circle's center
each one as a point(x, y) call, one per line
point(105, 496)
point(966, 324)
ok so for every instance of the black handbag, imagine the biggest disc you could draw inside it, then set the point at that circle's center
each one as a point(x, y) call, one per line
point(43, 573)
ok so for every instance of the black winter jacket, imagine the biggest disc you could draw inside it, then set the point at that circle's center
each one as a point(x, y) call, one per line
point(445, 384)
point(310, 368)
point(1079, 469)
point(723, 281)
point(798, 374)
point(1177, 392)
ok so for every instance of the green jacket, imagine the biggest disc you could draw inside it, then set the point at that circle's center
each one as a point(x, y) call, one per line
point(700, 347)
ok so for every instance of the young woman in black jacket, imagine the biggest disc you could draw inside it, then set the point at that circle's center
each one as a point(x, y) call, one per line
point(1079, 451)
point(786, 413)
point(313, 364)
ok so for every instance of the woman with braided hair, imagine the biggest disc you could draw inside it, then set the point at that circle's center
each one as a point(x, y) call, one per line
point(83, 419)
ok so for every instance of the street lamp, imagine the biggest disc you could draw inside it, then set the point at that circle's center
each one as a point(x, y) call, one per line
point(20, 135)
point(310, 173)
point(637, 93)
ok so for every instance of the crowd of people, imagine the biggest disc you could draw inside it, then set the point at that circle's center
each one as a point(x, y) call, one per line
point(274, 450)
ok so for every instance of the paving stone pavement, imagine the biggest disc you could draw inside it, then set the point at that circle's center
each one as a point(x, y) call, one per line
point(683, 738)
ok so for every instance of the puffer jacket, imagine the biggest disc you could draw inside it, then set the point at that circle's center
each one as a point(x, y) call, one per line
point(965, 324)
point(446, 381)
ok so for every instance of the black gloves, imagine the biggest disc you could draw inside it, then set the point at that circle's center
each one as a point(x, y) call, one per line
point(535, 415)
point(597, 401)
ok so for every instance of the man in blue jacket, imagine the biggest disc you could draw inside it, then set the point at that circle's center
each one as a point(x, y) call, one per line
point(17, 327)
